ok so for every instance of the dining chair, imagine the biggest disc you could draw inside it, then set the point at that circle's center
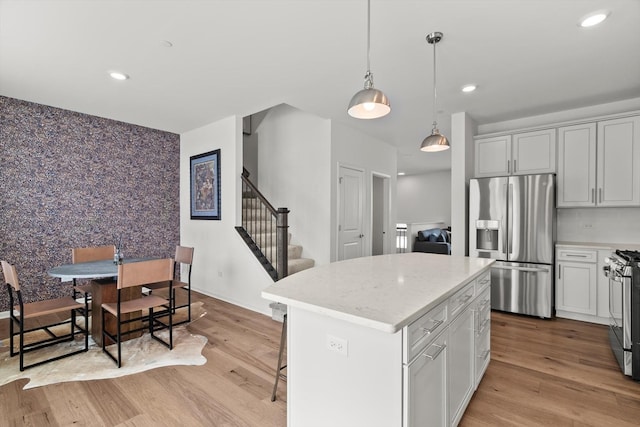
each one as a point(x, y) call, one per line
point(44, 314)
point(92, 253)
point(183, 259)
point(139, 274)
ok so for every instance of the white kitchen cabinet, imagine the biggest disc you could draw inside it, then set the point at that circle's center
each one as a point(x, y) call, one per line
point(493, 156)
point(618, 162)
point(482, 329)
point(576, 181)
point(426, 379)
point(599, 164)
point(518, 154)
point(441, 379)
point(576, 281)
point(461, 366)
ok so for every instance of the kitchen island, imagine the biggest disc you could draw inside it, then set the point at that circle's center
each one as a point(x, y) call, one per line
point(391, 340)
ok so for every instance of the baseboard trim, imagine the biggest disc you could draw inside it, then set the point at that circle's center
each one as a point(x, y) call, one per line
point(231, 301)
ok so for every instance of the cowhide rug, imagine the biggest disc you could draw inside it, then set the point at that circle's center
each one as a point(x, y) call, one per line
point(138, 354)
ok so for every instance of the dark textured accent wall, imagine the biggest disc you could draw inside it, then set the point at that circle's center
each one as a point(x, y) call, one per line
point(73, 180)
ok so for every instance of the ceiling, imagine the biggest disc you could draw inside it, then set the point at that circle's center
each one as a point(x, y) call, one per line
point(239, 57)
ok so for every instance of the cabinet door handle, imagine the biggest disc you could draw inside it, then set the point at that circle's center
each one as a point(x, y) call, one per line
point(436, 325)
point(577, 255)
point(514, 165)
point(508, 166)
point(464, 299)
point(593, 195)
point(559, 273)
point(435, 355)
point(600, 195)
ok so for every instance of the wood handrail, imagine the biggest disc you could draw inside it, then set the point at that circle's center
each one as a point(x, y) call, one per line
point(257, 192)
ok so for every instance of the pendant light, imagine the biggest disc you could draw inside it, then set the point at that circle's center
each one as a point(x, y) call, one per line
point(435, 141)
point(369, 103)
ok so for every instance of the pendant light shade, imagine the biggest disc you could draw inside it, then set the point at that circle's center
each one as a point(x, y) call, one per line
point(369, 103)
point(435, 141)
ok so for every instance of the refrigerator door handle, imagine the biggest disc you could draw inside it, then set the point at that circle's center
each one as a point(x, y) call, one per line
point(510, 221)
point(527, 269)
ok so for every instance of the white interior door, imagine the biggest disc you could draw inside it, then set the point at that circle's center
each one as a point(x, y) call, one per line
point(350, 213)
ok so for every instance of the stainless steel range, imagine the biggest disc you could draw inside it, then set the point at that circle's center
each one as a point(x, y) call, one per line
point(623, 271)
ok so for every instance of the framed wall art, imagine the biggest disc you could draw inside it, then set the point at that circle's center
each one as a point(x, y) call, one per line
point(205, 185)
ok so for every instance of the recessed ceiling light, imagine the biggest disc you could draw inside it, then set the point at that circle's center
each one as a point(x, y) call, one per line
point(594, 18)
point(469, 88)
point(400, 173)
point(117, 75)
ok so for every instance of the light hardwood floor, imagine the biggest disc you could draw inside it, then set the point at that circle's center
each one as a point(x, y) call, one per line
point(543, 372)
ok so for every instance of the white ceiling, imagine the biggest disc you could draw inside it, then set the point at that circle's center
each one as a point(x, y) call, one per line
point(527, 57)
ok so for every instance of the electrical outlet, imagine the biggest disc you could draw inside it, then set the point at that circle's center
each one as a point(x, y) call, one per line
point(339, 345)
point(587, 225)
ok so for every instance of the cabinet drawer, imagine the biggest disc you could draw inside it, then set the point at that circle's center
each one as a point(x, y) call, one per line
point(483, 312)
point(461, 299)
point(483, 282)
point(577, 255)
point(421, 332)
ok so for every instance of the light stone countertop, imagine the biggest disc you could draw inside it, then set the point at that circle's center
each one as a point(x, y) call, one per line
point(385, 292)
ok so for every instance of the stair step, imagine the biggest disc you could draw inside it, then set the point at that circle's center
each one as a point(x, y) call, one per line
point(267, 239)
point(248, 202)
point(299, 264)
point(249, 214)
point(293, 252)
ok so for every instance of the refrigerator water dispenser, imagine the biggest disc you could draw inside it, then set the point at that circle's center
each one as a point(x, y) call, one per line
point(487, 235)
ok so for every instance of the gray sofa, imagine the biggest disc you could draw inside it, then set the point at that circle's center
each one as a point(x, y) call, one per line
point(434, 241)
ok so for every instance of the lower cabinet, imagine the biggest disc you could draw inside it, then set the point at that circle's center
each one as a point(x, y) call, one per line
point(441, 375)
point(461, 365)
point(426, 379)
point(482, 324)
point(582, 290)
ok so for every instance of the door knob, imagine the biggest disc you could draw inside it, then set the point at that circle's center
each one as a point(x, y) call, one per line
point(361, 236)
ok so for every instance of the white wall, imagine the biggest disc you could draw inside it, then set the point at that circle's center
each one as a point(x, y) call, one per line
point(223, 266)
point(425, 197)
point(462, 170)
point(294, 157)
point(350, 147)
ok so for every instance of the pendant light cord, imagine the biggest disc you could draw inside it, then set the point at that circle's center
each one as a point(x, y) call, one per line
point(368, 35)
point(435, 115)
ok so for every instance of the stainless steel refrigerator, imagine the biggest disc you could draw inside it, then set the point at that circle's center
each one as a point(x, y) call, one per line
point(513, 220)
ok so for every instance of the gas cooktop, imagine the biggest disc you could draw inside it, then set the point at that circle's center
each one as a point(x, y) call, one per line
point(629, 256)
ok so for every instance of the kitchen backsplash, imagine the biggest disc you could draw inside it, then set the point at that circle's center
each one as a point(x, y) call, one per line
point(599, 225)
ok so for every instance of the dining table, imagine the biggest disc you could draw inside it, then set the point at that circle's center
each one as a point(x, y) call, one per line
point(103, 276)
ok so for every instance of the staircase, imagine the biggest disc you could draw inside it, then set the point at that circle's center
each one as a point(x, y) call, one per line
point(261, 225)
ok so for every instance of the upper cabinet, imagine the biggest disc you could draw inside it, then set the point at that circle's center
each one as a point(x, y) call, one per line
point(599, 164)
point(518, 154)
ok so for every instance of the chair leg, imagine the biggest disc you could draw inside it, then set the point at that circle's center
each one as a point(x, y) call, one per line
point(21, 343)
point(119, 335)
point(283, 338)
point(11, 334)
point(189, 303)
